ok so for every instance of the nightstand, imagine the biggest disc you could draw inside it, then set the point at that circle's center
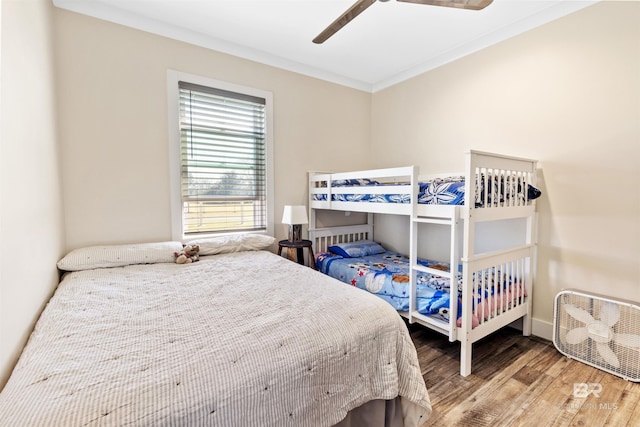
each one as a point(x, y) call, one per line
point(299, 247)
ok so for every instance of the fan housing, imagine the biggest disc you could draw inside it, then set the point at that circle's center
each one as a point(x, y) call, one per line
point(600, 331)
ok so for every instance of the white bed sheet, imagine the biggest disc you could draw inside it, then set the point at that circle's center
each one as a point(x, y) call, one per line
point(241, 339)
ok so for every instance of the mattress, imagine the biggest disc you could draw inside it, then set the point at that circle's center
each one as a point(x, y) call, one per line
point(440, 191)
point(386, 275)
point(237, 339)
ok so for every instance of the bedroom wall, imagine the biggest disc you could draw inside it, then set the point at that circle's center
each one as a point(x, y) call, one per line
point(114, 132)
point(30, 193)
point(567, 94)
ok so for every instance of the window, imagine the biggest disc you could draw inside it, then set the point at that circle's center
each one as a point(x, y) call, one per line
point(223, 158)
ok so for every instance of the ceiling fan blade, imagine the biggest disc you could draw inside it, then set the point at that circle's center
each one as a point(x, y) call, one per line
point(460, 4)
point(343, 20)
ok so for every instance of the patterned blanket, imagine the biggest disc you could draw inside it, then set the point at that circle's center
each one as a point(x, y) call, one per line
point(386, 275)
point(444, 191)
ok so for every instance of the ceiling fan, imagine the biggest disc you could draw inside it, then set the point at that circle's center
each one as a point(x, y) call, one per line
point(361, 5)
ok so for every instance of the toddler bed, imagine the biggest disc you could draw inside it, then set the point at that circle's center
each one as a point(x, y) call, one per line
point(493, 289)
point(132, 338)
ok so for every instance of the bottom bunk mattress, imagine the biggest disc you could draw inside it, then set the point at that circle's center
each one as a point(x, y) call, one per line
point(386, 274)
point(236, 339)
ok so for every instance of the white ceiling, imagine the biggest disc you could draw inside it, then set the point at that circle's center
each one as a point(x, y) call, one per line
point(388, 43)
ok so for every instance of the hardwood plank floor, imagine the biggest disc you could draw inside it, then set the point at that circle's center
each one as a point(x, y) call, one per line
point(519, 381)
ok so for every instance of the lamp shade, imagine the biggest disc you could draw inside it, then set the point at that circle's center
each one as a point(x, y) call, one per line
point(294, 215)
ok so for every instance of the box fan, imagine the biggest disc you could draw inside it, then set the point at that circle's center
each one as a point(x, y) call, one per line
point(599, 331)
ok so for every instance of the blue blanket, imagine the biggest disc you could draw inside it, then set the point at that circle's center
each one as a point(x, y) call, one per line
point(387, 276)
point(440, 191)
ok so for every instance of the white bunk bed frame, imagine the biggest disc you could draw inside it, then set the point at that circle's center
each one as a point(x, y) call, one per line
point(518, 261)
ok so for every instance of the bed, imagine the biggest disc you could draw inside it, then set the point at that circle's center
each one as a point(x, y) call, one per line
point(241, 337)
point(386, 274)
point(494, 288)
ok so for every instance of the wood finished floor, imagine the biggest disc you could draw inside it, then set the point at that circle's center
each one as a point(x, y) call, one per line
point(518, 381)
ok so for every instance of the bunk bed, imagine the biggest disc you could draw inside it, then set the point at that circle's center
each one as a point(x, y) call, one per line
point(492, 288)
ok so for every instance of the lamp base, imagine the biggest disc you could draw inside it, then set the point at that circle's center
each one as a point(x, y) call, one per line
point(295, 232)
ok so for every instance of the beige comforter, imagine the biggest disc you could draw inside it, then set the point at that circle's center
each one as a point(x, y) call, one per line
point(241, 339)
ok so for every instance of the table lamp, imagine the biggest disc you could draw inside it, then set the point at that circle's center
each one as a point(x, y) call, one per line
point(295, 216)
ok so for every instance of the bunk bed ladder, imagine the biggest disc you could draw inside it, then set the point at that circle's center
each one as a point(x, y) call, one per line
point(413, 248)
point(466, 343)
point(450, 328)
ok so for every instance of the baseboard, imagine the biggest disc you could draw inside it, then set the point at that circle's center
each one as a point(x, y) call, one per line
point(539, 328)
point(542, 329)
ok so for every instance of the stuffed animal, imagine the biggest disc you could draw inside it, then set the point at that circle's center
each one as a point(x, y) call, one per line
point(188, 254)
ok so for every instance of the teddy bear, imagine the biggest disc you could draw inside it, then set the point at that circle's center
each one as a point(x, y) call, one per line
point(188, 254)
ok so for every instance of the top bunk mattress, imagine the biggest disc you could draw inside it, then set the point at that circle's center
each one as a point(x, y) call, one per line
point(449, 190)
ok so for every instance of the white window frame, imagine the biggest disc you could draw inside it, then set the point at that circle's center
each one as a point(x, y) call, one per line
point(173, 77)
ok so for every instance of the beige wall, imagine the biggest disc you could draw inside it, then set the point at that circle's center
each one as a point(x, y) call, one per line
point(567, 94)
point(30, 195)
point(114, 132)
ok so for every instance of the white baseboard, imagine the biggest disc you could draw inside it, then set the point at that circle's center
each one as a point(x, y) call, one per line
point(539, 328)
point(542, 329)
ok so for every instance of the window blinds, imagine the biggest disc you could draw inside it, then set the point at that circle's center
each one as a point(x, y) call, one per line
point(222, 160)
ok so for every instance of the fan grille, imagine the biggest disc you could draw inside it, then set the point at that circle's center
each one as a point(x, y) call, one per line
point(586, 350)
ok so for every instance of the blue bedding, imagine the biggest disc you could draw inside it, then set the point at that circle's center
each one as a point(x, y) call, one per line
point(387, 276)
point(440, 191)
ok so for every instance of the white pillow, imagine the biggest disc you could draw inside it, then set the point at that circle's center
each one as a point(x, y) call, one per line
point(233, 243)
point(91, 257)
